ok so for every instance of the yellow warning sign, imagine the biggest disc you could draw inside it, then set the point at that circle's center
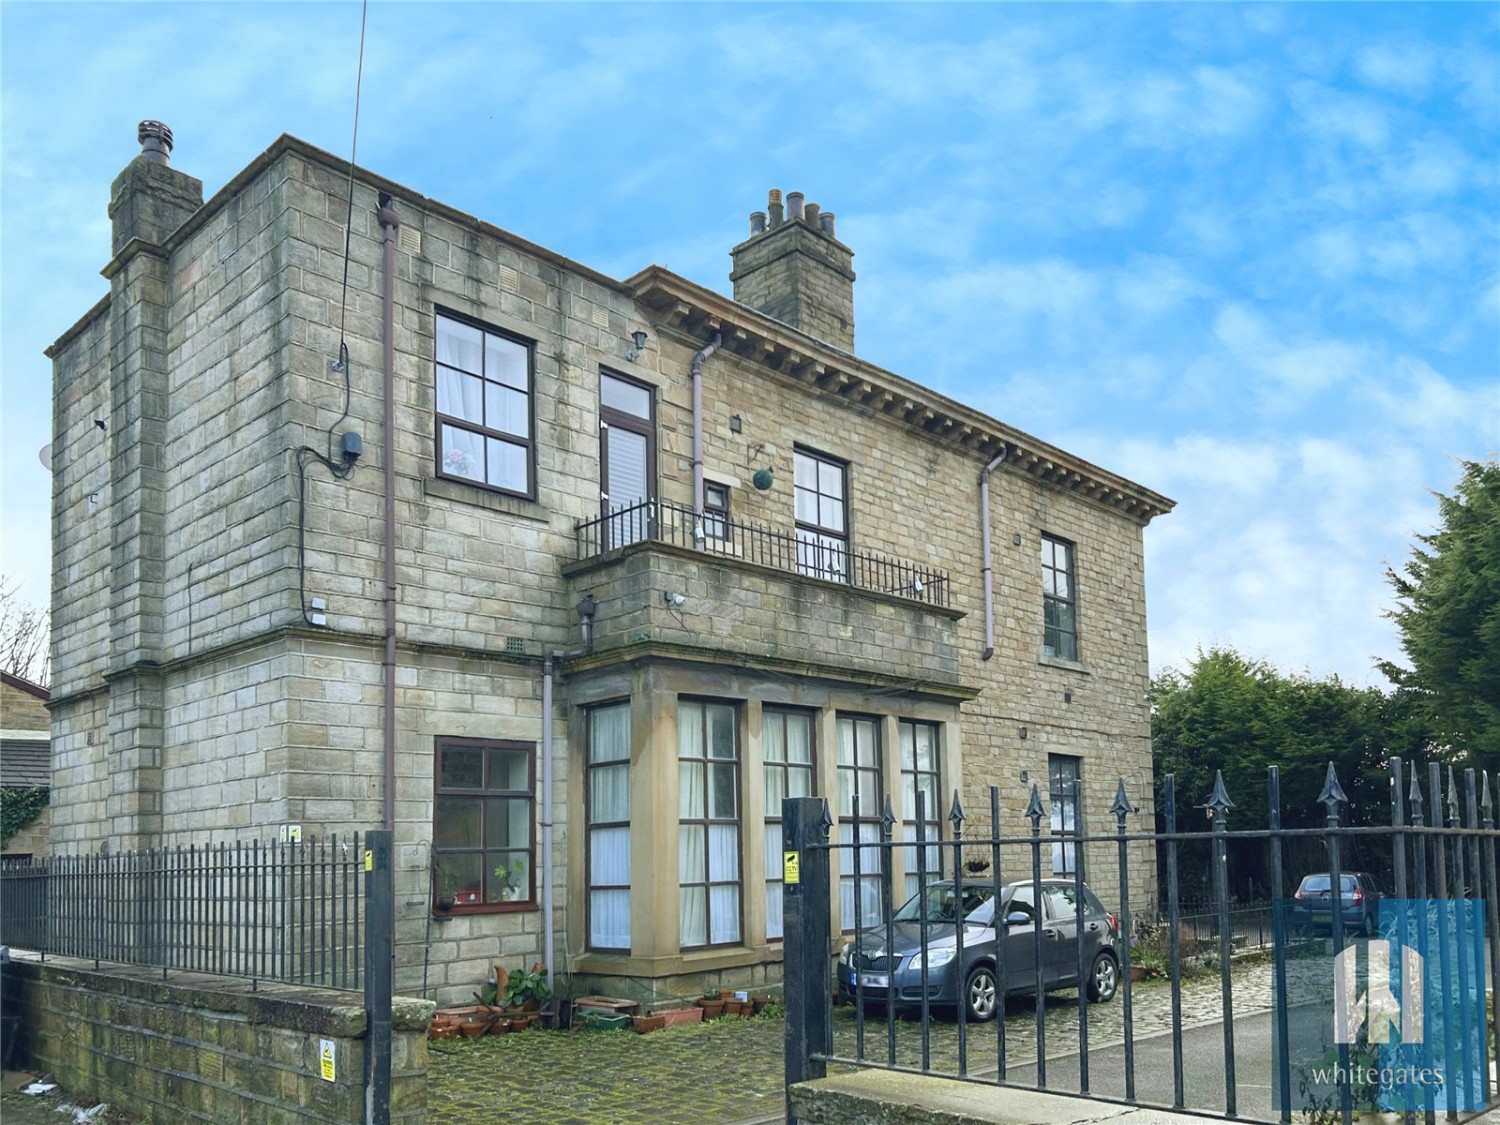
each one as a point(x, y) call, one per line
point(326, 1058)
point(791, 867)
point(369, 860)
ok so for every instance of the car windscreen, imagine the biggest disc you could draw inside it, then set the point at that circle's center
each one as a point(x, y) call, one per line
point(938, 903)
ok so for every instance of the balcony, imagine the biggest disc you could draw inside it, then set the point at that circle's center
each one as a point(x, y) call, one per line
point(660, 521)
point(743, 597)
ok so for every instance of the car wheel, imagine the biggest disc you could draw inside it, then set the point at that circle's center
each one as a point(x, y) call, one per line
point(1104, 979)
point(981, 995)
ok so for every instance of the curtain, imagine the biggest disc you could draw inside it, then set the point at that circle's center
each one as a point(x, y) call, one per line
point(458, 345)
point(609, 729)
point(505, 361)
point(692, 905)
point(725, 914)
point(506, 410)
point(459, 395)
point(774, 922)
point(798, 738)
point(609, 793)
point(609, 919)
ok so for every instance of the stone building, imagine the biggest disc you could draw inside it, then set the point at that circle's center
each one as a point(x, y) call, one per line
point(25, 764)
point(633, 560)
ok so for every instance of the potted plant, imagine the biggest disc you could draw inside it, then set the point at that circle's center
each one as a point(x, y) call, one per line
point(512, 879)
point(527, 989)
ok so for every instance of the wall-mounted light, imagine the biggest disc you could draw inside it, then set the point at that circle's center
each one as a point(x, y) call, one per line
point(639, 336)
point(675, 601)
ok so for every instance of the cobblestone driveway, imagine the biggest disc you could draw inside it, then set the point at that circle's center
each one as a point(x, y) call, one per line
point(730, 1071)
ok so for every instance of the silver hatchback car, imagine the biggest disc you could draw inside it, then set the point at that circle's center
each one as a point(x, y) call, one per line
point(884, 975)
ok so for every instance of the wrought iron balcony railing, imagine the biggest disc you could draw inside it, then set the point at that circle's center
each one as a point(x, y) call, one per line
point(813, 556)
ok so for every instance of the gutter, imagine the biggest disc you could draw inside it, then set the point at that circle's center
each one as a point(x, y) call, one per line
point(984, 530)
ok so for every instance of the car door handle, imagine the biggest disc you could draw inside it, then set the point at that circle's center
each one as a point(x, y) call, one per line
point(1050, 932)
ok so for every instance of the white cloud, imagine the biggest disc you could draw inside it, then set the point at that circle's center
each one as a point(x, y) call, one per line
point(1405, 67)
point(1333, 116)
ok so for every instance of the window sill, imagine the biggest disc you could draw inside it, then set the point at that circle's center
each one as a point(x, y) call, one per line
point(460, 910)
point(483, 498)
point(1059, 662)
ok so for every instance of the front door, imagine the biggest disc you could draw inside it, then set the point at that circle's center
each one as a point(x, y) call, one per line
point(627, 460)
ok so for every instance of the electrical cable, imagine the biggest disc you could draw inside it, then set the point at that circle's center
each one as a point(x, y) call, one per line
point(343, 468)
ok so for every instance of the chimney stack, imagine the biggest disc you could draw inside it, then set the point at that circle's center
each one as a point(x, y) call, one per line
point(794, 269)
point(150, 199)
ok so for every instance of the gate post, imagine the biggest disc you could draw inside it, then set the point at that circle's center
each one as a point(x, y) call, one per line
point(806, 933)
point(380, 926)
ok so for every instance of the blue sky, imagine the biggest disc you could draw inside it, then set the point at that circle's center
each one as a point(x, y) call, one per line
point(1244, 254)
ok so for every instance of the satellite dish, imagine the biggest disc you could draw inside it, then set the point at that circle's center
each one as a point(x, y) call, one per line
point(45, 456)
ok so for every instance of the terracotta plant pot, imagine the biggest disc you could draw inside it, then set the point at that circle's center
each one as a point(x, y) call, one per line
point(675, 1016)
point(712, 1008)
point(649, 1022)
point(474, 1026)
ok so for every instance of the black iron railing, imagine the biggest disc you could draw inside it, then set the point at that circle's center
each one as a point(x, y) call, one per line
point(288, 912)
point(1437, 927)
point(661, 521)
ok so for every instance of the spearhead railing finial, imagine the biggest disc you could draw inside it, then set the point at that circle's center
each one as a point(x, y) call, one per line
point(1218, 802)
point(888, 820)
point(825, 822)
point(1452, 800)
point(1035, 810)
point(1414, 797)
point(1121, 806)
point(956, 816)
point(1486, 806)
point(1333, 794)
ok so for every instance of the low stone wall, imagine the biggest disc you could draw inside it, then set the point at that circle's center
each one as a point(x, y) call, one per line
point(201, 1048)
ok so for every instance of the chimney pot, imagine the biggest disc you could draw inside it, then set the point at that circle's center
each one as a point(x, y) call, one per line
point(774, 207)
point(825, 223)
point(810, 213)
point(155, 140)
point(757, 222)
point(794, 204)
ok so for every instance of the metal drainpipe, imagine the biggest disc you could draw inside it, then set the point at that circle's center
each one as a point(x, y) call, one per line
point(390, 222)
point(547, 935)
point(697, 368)
point(984, 528)
point(549, 664)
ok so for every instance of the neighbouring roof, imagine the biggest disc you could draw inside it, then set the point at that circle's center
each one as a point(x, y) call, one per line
point(25, 685)
point(25, 762)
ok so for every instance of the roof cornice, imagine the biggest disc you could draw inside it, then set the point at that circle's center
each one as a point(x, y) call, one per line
point(793, 354)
